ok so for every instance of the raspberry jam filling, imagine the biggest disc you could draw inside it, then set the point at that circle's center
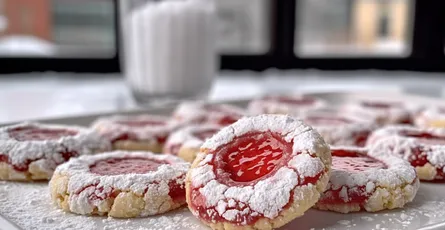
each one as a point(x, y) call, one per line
point(119, 166)
point(352, 162)
point(141, 123)
point(34, 133)
point(292, 101)
point(135, 165)
point(245, 161)
point(251, 157)
point(424, 137)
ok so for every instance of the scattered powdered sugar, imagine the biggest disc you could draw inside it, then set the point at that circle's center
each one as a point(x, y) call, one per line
point(344, 222)
point(49, 153)
point(37, 212)
point(43, 215)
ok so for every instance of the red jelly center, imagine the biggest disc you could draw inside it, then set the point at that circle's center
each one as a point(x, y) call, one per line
point(119, 166)
point(251, 157)
point(141, 123)
point(33, 133)
point(424, 138)
point(354, 162)
point(202, 135)
point(327, 120)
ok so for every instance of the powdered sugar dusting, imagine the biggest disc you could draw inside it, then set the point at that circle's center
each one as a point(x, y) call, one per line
point(185, 137)
point(199, 112)
point(398, 172)
point(80, 182)
point(391, 140)
point(115, 126)
point(49, 153)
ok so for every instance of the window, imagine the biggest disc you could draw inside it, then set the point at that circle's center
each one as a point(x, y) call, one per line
point(57, 28)
point(335, 28)
point(244, 26)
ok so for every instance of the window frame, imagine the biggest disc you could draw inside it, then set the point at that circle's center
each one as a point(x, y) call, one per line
point(80, 65)
point(427, 48)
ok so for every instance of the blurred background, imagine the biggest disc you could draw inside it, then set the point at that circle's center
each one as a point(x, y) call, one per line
point(324, 28)
point(52, 49)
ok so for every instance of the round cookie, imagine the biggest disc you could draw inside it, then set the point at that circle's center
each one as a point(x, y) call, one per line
point(381, 112)
point(136, 132)
point(368, 180)
point(285, 104)
point(31, 151)
point(423, 148)
point(258, 173)
point(185, 142)
point(120, 184)
point(339, 129)
point(433, 117)
point(188, 113)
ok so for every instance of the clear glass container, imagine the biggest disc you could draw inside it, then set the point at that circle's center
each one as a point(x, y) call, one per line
point(169, 48)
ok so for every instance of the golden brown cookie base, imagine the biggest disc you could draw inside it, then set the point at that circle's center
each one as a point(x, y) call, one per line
point(426, 172)
point(126, 204)
point(188, 154)
point(34, 173)
point(137, 146)
point(381, 199)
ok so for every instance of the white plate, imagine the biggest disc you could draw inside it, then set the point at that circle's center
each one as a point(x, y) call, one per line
point(28, 206)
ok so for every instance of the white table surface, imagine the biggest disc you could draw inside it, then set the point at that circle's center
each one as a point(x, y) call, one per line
point(47, 95)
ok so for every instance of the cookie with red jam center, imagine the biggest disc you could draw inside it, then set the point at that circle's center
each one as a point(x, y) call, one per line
point(188, 113)
point(186, 141)
point(381, 112)
point(31, 151)
point(368, 180)
point(296, 105)
point(136, 132)
point(338, 128)
point(424, 148)
point(230, 182)
point(120, 184)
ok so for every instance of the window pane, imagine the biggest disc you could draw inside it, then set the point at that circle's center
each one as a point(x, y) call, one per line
point(244, 26)
point(353, 28)
point(57, 28)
